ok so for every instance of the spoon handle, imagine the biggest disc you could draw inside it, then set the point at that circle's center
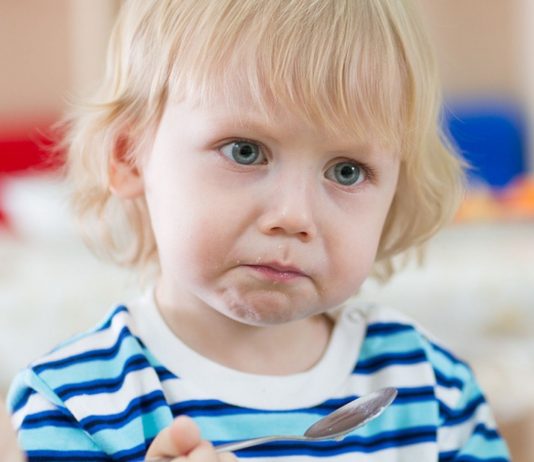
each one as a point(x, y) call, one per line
point(235, 446)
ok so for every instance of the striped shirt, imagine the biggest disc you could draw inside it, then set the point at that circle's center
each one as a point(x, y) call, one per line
point(105, 395)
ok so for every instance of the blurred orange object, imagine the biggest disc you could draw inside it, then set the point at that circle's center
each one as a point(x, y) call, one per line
point(515, 202)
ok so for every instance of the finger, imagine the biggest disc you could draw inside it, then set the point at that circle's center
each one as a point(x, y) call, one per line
point(179, 439)
point(204, 452)
point(227, 457)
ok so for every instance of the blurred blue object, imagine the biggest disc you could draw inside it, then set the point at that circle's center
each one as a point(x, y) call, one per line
point(491, 137)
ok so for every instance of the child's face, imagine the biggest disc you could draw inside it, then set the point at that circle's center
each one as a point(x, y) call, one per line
point(264, 220)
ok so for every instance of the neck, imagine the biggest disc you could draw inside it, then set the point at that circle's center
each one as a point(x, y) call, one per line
point(282, 349)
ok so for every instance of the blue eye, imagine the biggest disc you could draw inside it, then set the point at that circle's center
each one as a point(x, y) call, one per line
point(243, 152)
point(346, 173)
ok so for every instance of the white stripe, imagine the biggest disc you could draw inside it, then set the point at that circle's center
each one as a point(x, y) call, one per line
point(136, 384)
point(449, 396)
point(453, 437)
point(178, 390)
point(36, 403)
point(413, 375)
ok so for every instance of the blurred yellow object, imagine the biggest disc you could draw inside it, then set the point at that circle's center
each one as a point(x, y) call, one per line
point(515, 202)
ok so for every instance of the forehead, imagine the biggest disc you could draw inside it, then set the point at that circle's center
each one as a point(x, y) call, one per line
point(275, 125)
point(227, 104)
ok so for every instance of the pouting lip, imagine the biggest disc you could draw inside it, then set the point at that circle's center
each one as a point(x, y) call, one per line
point(280, 267)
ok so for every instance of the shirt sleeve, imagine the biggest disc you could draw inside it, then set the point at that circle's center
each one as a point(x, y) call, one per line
point(467, 430)
point(47, 431)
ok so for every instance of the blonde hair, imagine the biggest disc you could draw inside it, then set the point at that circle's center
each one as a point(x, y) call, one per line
point(359, 65)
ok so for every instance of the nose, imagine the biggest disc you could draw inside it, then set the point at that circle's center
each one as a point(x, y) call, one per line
point(289, 211)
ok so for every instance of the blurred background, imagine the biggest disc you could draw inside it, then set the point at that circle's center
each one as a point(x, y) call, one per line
point(475, 288)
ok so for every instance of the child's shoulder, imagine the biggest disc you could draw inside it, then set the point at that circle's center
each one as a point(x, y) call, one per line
point(104, 347)
point(82, 363)
point(99, 342)
point(397, 333)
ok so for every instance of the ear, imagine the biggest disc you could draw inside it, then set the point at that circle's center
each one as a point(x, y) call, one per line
point(125, 179)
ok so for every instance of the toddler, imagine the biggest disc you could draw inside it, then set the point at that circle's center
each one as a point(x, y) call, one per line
point(262, 158)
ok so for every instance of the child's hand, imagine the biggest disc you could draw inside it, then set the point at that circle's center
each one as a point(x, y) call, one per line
point(182, 441)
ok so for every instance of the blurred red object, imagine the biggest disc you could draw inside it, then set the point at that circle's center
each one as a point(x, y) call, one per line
point(26, 150)
point(32, 150)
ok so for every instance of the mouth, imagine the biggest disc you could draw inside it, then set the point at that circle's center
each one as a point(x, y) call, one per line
point(277, 272)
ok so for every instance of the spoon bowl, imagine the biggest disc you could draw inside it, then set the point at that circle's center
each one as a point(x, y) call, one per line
point(334, 426)
point(352, 415)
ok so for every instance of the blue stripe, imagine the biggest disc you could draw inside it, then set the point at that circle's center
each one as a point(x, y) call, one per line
point(414, 394)
point(457, 416)
point(21, 402)
point(70, 456)
point(104, 326)
point(350, 444)
point(448, 382)
point(164, 374)
point(452, 456)
point(378, 362)
point(49, 419)
point(449, 355)
point(387, 328)
point(487, 433)
point(107, 323)
point(136, 453)
point(91, 355)
point(447, 456)
point(93, 387)
point(135, 408)
point(209, 407)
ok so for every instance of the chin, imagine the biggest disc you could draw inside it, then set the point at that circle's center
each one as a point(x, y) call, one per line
point(251, 316)
point(265, 314)
point(263, 307)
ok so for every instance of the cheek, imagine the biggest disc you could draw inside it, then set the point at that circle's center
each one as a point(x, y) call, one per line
point(352, 256)
point(195, 241)
point(191, 242)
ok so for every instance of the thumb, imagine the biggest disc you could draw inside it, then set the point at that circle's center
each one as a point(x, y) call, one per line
point(178, 439)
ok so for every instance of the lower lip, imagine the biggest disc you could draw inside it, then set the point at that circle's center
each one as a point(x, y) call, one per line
point(276, 275)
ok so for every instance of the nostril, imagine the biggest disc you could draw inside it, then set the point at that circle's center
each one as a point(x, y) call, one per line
point(304, 236)
point(281, 221)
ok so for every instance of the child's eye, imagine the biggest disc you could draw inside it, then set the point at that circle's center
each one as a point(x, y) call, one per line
point(243, 152)
point(346, 173)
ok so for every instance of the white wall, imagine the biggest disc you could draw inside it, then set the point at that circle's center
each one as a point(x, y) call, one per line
point(49, 51)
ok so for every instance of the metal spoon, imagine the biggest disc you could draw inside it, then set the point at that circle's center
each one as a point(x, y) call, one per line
point(333, 426)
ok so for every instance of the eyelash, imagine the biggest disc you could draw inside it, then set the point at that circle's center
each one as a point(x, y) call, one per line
point(369, 172)
point(262, 149)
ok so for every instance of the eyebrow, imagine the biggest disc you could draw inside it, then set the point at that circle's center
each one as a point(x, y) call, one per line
point(247, 122)
point(254, 123)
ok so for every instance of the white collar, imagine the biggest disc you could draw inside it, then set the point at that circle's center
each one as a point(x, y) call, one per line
point(215, 381)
